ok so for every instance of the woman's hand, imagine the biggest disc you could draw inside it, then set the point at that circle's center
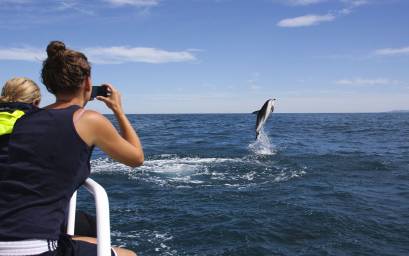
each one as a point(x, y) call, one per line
point(113, 100)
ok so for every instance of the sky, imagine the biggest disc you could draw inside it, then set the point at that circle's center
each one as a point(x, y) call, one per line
point(222, 56)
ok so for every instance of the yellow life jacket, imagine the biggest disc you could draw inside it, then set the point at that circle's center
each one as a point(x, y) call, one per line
point(7, 121)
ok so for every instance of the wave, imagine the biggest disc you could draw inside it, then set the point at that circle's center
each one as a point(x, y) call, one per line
point(158, 241)
point(165, 164)
point(188, 172)
point(186, 164)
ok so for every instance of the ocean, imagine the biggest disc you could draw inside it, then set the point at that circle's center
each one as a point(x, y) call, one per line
point(314, 184)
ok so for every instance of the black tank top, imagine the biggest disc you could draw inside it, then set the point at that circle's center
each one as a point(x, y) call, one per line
point(47, 161)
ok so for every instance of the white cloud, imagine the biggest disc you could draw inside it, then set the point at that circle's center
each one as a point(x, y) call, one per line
point(361, 81)
point(14, 1)
point(304, 2)
point(25, 54)
point(108, 55)
point(253, 82)
point(353, 3)
point(305, 21)
point(356, 3)
point(392, 51)
point(311, 20)
point(121, 54)
point(139, 3)
point(345, 11)
point(72, 5)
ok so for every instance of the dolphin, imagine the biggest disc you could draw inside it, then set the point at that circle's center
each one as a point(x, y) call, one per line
point(263, 114)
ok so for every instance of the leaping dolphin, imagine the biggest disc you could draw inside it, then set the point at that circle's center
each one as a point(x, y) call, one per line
point(263, 114)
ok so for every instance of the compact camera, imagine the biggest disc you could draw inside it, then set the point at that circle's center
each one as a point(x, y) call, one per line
point(101, 90)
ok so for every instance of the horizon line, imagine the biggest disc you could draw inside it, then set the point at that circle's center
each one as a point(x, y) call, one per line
point(241, 113)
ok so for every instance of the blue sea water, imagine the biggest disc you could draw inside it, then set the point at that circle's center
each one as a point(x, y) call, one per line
point(315, 184)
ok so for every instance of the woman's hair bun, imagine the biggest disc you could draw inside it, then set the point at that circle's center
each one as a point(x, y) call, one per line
point(55, 48)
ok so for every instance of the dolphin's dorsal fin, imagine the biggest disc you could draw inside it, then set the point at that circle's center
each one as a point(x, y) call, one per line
point(256, 112)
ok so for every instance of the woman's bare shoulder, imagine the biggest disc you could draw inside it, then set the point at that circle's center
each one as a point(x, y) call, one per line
point(93, 116)
point(94, 119)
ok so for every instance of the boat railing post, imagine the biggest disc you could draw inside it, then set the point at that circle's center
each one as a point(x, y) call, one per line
point(102, 212)
point(71, 214)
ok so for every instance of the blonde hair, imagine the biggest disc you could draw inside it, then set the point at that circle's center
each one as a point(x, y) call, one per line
point(20, 89)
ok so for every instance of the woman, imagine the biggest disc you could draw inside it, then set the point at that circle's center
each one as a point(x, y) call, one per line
point(18, 96)
point(49, 155)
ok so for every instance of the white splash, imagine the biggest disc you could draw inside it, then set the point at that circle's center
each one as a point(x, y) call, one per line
point(287, 175)
point(186, 164)
point(188, 172)
point(263, 145)
point(167, 164)
point(107, 165)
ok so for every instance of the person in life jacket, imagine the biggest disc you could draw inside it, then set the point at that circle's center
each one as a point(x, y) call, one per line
point(18, 96)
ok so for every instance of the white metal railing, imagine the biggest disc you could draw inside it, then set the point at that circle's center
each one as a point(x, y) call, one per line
point(102, 211)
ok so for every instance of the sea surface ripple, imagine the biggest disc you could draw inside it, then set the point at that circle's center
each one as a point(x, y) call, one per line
point(316, 184)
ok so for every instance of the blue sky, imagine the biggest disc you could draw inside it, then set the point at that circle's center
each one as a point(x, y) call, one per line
point(218, 56)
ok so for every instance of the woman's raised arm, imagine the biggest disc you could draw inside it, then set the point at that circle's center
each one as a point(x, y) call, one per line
point(95, 129)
